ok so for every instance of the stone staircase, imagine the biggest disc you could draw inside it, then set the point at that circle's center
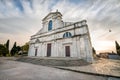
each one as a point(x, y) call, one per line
point(51, 61)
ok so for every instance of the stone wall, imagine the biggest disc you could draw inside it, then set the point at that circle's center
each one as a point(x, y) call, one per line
point(80, 43)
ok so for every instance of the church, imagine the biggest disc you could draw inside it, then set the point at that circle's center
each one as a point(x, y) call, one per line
point(58, 39)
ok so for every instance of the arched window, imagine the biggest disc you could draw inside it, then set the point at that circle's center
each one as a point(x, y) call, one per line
point(67, 35)
point(50, 25)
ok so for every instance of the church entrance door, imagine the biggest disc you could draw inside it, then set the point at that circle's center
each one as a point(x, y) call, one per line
point(48, 50)
point(36, 52)
point(67, 51)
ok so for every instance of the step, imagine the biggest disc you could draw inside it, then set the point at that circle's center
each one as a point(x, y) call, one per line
point(53, 61)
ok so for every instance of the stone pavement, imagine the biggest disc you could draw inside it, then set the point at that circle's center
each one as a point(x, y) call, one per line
point(103, 67)
point(14, 70)
point(53, 61)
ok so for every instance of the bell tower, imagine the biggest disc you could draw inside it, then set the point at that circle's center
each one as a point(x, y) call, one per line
point(52, 21)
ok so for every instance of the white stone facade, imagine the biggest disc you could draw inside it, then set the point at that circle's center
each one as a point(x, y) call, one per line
point(61, 39)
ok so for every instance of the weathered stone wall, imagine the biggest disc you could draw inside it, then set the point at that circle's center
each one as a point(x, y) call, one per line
point(80, 43)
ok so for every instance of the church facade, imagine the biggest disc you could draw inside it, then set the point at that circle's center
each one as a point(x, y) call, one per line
point(61, 39)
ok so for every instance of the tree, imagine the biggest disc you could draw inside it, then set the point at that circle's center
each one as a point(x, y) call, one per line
point(14, 49)
point(7, 44)
point(25, 47)
point(3, 50)
point(18, 48)
point(94, 52)
point(117, 47)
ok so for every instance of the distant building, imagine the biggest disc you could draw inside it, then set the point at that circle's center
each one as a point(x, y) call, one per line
point(113, 56)
point(109, 55)
point(61, 39)
point(104, 55)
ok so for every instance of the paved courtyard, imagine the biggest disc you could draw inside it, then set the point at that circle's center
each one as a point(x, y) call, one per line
point(14, 70)
point(102, 66)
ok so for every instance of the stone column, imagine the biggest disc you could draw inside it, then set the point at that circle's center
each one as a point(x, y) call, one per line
point(31, 50)
point(39, 50)
point(78, 47)
point(74, 51)
point(82, 48)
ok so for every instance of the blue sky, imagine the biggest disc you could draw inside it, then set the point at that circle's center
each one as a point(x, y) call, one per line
point(19, 19)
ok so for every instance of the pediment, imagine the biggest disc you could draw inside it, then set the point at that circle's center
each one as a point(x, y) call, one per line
point(37, 41)
point(52, 13)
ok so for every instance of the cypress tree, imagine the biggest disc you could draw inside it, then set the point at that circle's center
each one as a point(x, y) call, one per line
point(117, 47)
point(13, 50)
point(7, 44)
point(94, 51)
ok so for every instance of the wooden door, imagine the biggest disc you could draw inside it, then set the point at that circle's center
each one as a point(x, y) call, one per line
point(36, 52)
point(67, 51)
point(48, 50)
